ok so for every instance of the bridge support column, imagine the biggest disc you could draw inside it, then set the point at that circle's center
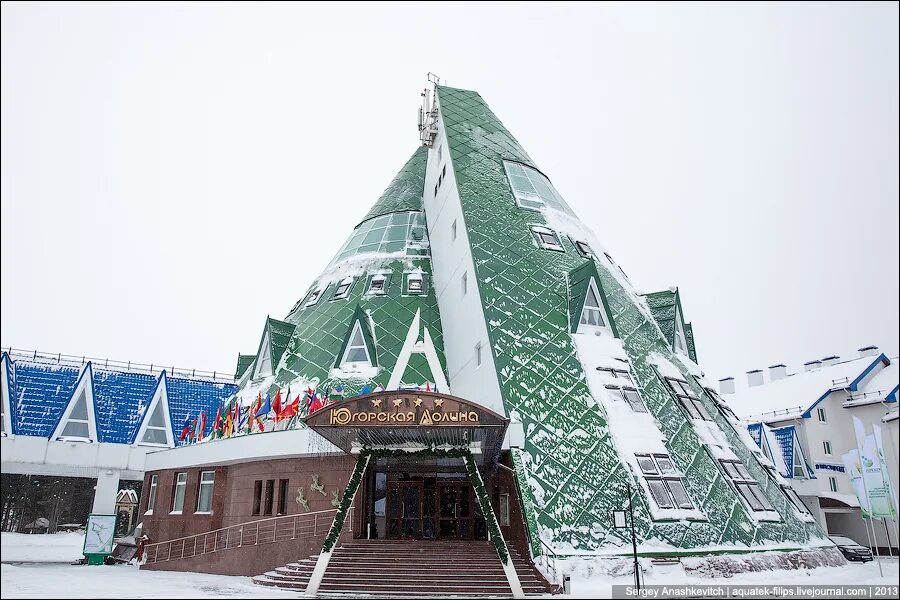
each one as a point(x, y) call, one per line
point(105, 492)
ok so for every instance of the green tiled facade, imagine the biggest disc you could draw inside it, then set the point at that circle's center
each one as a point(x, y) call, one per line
point(569, 471)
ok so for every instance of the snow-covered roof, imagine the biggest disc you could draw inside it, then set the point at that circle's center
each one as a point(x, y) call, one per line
point(793, 395)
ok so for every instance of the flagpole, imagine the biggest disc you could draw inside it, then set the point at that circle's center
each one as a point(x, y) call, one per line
point(858, 429)
point(876, 430)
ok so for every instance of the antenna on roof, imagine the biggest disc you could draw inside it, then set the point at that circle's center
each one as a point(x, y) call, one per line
point(428, 112)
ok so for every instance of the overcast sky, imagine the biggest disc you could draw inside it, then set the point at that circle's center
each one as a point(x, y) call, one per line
point(171, 174)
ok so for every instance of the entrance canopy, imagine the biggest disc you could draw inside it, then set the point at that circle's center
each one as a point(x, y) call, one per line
point(410, 420)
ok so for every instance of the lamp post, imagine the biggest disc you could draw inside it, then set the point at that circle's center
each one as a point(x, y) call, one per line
point(621, 522)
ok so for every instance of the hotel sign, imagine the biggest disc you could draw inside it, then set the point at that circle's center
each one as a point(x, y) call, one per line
point(404, 409)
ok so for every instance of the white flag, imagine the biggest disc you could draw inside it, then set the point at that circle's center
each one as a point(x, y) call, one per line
point(879, 448)
point(853, 467)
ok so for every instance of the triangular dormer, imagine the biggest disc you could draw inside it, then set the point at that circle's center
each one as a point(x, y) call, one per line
point(418, 361)
point(156, 425)
point(588, 307)
point(78, 422)
point(7, 418)
point(680, 344)
point(358, 350)
point(275, 338)
point(665, 306)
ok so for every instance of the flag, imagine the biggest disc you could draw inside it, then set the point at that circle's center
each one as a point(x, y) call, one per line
point(262, 412)
point(879, 446)
point(291, 409)
point(365, 390)
point(193, 436)
point(218, 425)
point(202, 424)
point(427, 387)
point(185, 429)
point(877, 483)
point(853, 468)
point(229, 423)
point(378, 389)
point(276, 405)
point(339, 390)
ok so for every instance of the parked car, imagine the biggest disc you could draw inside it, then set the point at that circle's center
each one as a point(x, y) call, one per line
point(850, 549)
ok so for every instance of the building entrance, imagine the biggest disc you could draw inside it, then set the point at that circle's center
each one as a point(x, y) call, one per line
point(437, 506)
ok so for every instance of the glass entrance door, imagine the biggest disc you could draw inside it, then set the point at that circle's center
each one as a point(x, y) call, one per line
point(455, 510)
point(404, 500)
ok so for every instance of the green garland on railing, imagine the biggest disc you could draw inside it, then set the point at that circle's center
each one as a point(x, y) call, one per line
point(430, 452)
point(486, 509)
point(361, 463)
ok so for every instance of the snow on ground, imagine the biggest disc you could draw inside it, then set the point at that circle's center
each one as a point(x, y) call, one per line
point(38, 570)
point(586, 585)
point(57, 547)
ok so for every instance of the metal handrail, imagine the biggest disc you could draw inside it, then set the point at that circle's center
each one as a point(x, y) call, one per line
point(250, 533)
point(550, 561)
point(121, 365)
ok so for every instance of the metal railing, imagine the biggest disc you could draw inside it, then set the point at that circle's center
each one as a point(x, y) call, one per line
point(117, 365)
point(251, 533)
point(783, 411)
point(548, 558)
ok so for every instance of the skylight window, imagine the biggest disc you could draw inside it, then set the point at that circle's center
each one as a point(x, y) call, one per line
point(746, 486)
point(532, 190)
point(376, 284)
point(314, 297)
point(689, 400)
point(414, 283)
point(584, 249)
point(620, 386)
point(343, 289)
point(665, 483)
point(547, 238)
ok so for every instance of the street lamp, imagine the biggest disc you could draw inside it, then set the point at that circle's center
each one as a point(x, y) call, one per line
point(621, 520)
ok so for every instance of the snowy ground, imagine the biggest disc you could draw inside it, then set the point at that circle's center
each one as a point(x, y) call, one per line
point(35, 566)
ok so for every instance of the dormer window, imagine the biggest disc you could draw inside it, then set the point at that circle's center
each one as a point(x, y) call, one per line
point(77, 426)
point(414, 284)
point(680, 339)
point(584, 249)
point(314, 297)
point(357, 353)
point(376, 284)
point(546, 238)
point(592, 313)
point(343, 289)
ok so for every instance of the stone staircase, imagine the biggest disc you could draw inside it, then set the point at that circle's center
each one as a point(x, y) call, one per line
point(412, 568)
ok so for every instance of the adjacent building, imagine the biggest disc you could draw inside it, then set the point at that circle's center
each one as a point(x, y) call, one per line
point(802, 421)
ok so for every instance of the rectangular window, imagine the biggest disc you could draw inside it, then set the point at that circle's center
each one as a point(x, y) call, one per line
point(477, 355)
point(343, 289)
point(622, 388)
point(178, 492)
point(795, 500)
point(205, 493)
point(270, 496)
point(832, 484)
point(435, 189)
point(504, 509)
point(532, 190)
point(826, 445)
point(257, 496)
point(453, 231)
point(444, 171)
point(414, 283)
point(821, 414)
point(689, 400)
point(151, 497)
point(546, 238)
point(664, 481)
point(282, 496)
point(584, 249)
point(464, 283)
point(746, 486)
point(314, 297)
point(376, 285)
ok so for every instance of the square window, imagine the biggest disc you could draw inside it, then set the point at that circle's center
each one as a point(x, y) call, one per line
point(414, 283)
point(343, 289)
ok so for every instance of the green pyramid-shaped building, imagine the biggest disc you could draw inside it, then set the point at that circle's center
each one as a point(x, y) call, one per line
point(473, 277)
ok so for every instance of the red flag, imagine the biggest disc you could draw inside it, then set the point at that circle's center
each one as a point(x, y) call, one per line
point(202, 425)
point(427, 387)
point(218, 425)
point(276, 405)
point(292, 409)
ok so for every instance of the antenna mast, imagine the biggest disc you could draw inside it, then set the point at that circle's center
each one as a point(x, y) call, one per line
point(428, 113)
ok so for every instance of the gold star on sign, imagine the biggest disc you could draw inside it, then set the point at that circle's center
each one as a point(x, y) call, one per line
point(398, 402)
point(418, 402)
point(376, 402)
point(438, 401)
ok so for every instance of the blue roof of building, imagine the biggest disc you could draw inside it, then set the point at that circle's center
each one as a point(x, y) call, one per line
point(39, 393)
